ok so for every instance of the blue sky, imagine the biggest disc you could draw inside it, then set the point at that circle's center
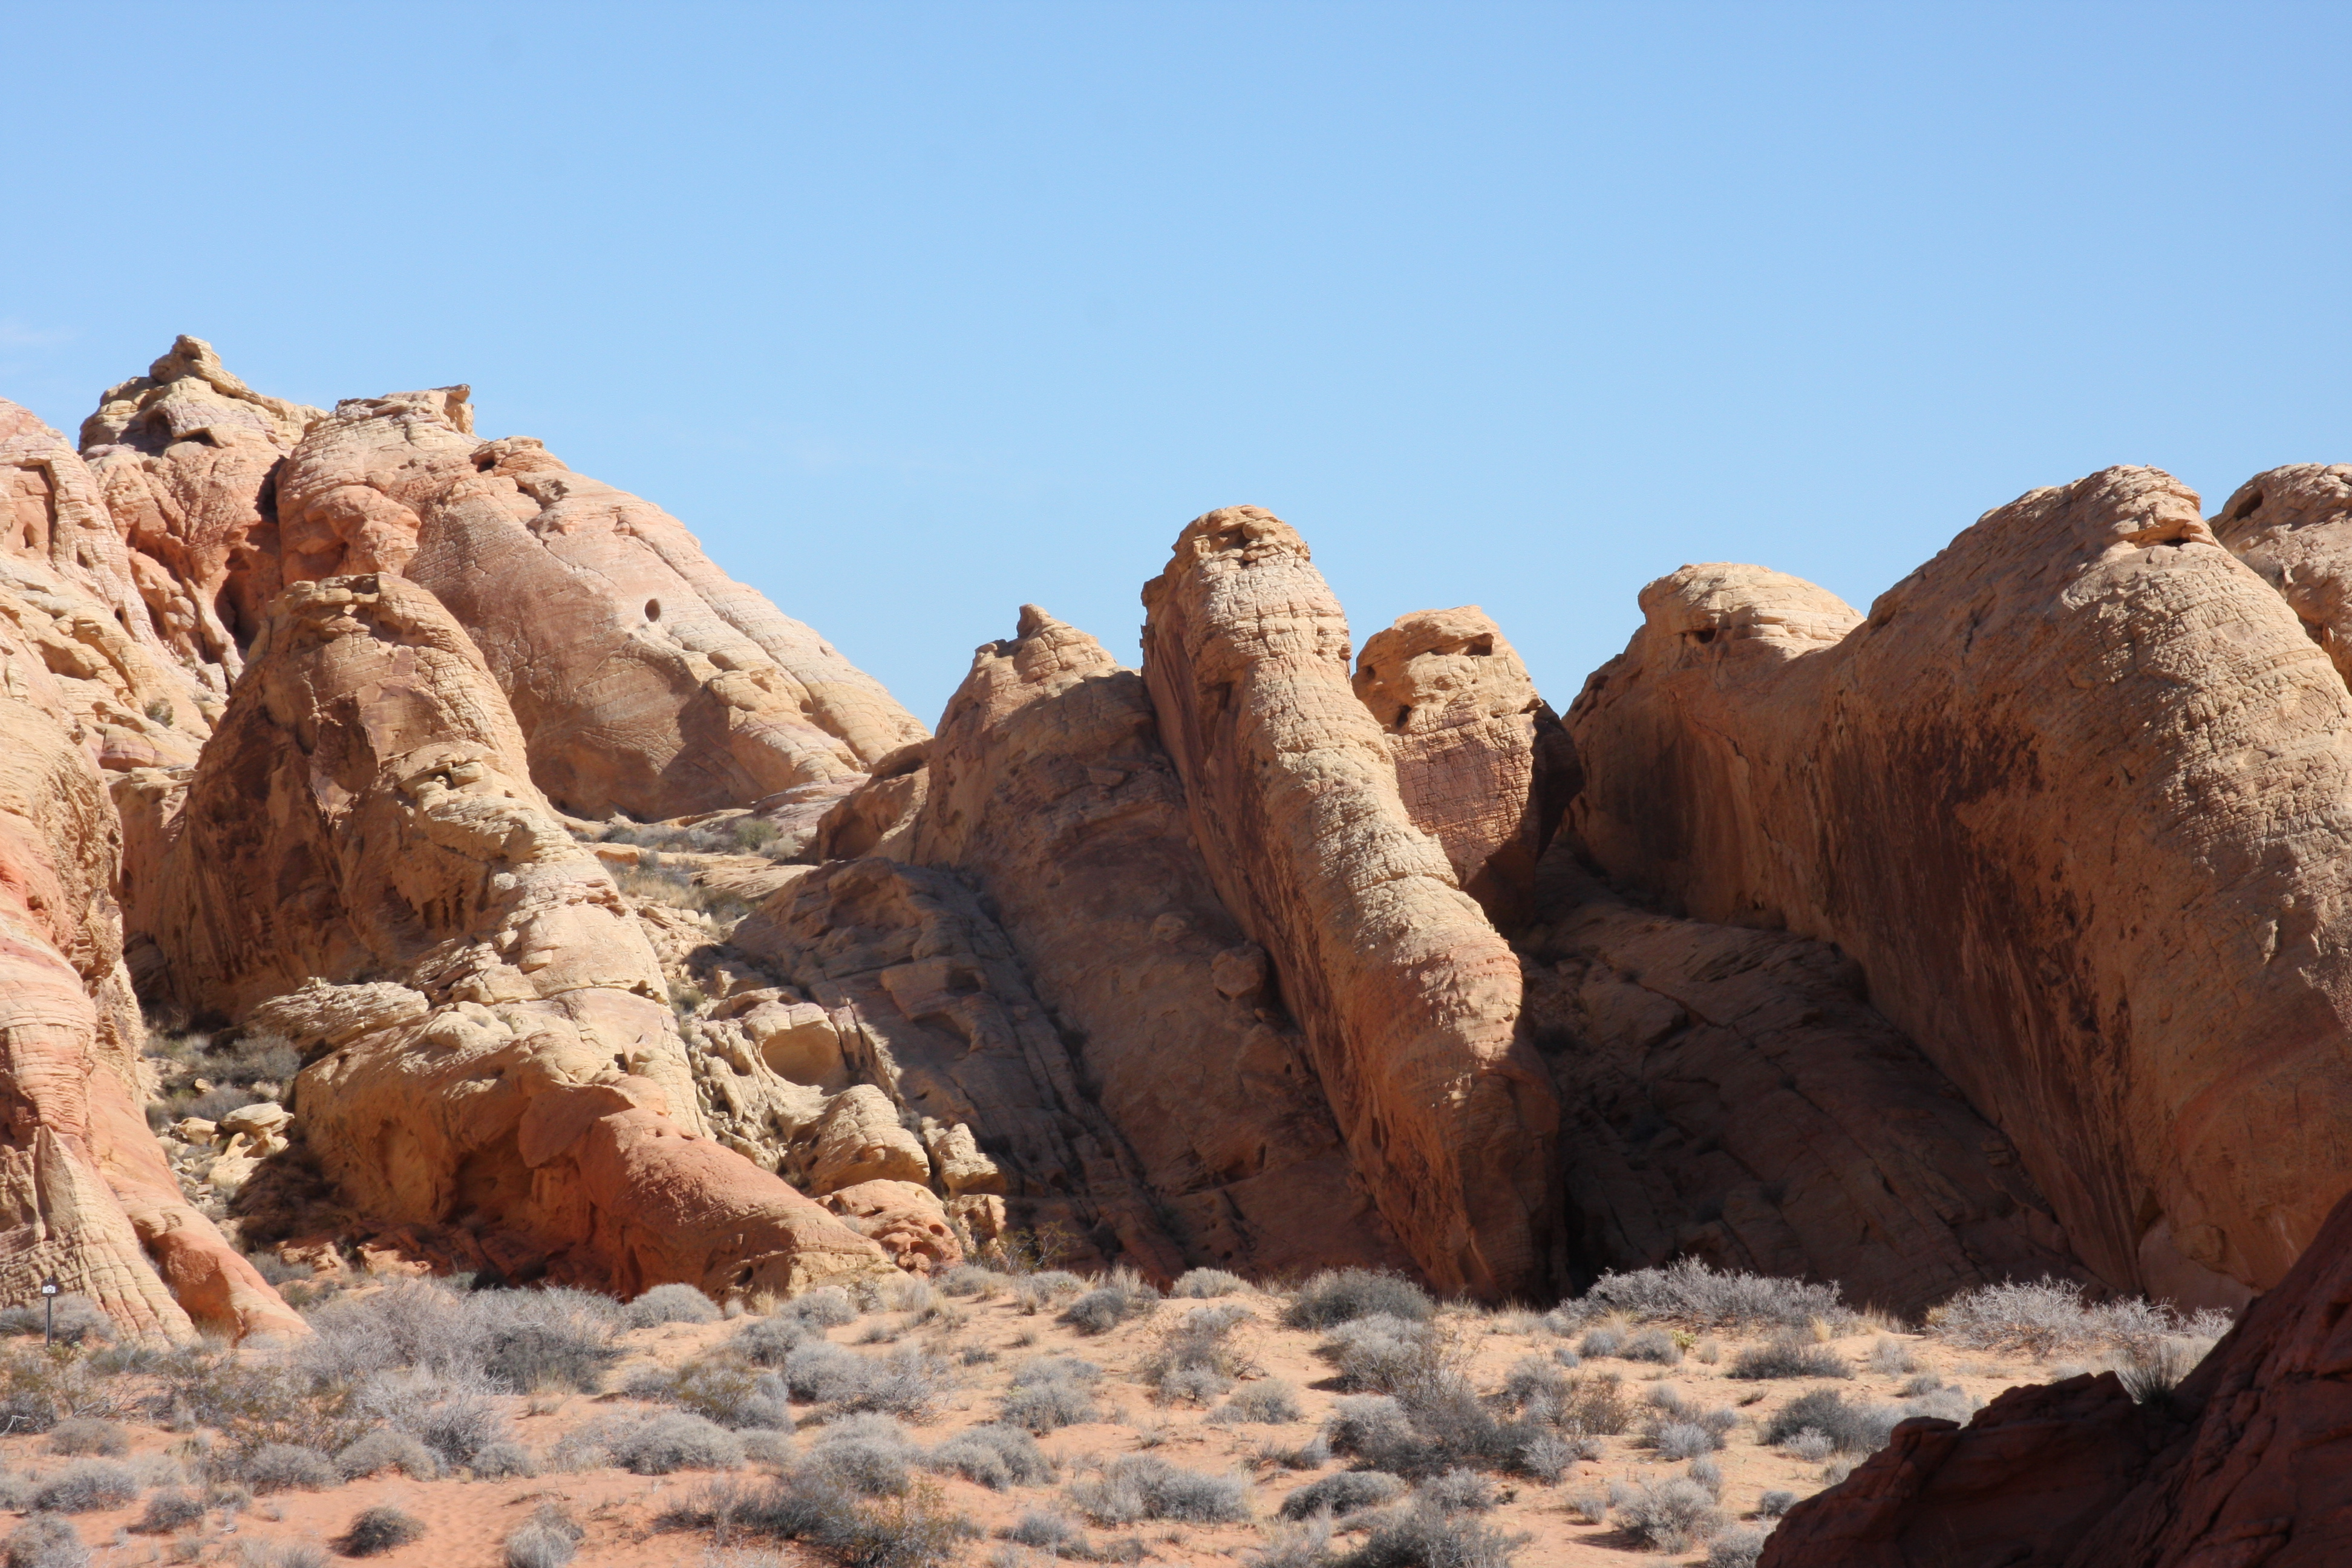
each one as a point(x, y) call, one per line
point(917, 313)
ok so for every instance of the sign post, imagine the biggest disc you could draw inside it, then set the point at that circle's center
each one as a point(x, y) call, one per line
point(50, 1288)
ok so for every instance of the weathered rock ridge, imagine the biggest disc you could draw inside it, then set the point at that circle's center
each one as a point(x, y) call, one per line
point(2077, 796)
point(1408, 999)
point(363, 866)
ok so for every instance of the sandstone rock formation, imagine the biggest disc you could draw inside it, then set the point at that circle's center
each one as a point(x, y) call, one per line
point(1481, 762)
point(644, 679)
point(2077, 796)
point(948, 1033)
point(364, 812)
point(88, 1197)
point(186, 458)
point(2242, 1463)
point(1409, 1000)
point(1727, 1094)
point(2293, 526)
point(1050, 793)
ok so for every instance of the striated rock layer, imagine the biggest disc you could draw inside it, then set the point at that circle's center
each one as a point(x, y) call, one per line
point(363, 866)
point(1409, 1000)
point(2242, 1464)
point(1050, 793)
point(646, 680)
point(2077, 796)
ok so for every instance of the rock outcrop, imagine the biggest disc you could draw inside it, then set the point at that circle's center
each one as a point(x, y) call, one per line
point(363, 866)
point(646, 680)
point(2293, 526)
point(2077, 796)
point(1049, 792)
point(1481, 762)
point(1727, 1094)
point(2244, 1463)
point(87, 1195)
point(186, 458)
point(1408, 998)
point(943, 1026)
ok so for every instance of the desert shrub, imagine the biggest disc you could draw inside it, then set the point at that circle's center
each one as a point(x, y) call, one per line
point(380, 1529)
point(1269, 1403)
point(1672, 1515)
point(670, 1304)
point(516, 1341)
point(1810, 1444)
point(907, 1381)
point(1457, 1491)
point(1531, 1379)
point(1789, 1355)
point(2150, 1376)
point(548, 1538)
point(533, 1358)
point(1893, 1357)
point(672, 1440)
point(912, 1531)
point(1341, 1295)
point(1603, 1343)
point(1143, 1486)
point(2049, 1316)
point(1925, 1382)
point(78, 1319)
point(169, 1509)
point(826, 1307)
point(1849, 1428)
point(1050, 1393)
point(868, 1456)
point(86, 1487)
point(1382, 1354)
point(286, 1466)
point(1343, 1493)
point(1199, 1284)
point(1547, 1456)
point(1427, 1538)
point(1312, 1454)
point(1775, 1503)
point(215, 1103)
point(455, 1421)
point(1707, 1474)
point(1589, 1505)
point(1046, 1532)
point(1655, 1346)
point(1736, 1548)
point(1595, 1406)
point(83, 1435)
point(970, 1279)
point(45, 1541)
point(503, 1461)
point(734, 1395)
point(1125, 1295)
point(1304, 1544)
point(1196, 1359)
point(766, 1341)
point(1684, 1440)
point(994, 1456)
point(820, 1372)
point(908, 1294)
point(388, 1450)
point(1690, 1293)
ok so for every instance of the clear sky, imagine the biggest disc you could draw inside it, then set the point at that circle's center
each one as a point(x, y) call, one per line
point(917, 313)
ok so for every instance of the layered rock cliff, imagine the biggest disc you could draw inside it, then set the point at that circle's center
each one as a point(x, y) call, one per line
point(2074, 796)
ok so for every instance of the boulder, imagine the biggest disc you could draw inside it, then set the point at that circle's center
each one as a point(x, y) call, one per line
point(904, 1218)
point(646, 680)
point(2077, 797)
point(1408, 998)
point(365, 811)
point(2293, 527)
point(1050, 792)
point(1481, 762)
point(859, 1139)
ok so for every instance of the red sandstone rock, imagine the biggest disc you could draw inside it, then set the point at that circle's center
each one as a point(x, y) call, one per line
point(364, 811)
point(1482, 762)
point(1049, 791)
point(2078, 798)
point(2293, 526)
point(645, 679)
point(1408, 998)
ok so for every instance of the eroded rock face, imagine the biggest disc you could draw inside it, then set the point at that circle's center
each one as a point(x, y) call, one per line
point(85, 1192)
point(2078, 798)
point(2244, 1463)
point(2293, 526)
point(1050, 792)
point(1408, 998)
point(1482, 762)
point(948, 1033)
point(646, 680)
point(364, 811)
point(1727, 1094)
point(186, 458)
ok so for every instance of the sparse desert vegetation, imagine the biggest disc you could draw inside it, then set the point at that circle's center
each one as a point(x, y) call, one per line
point(1354, 1422)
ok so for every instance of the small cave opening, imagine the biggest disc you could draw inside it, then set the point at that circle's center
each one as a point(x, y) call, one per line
point(653, 609)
